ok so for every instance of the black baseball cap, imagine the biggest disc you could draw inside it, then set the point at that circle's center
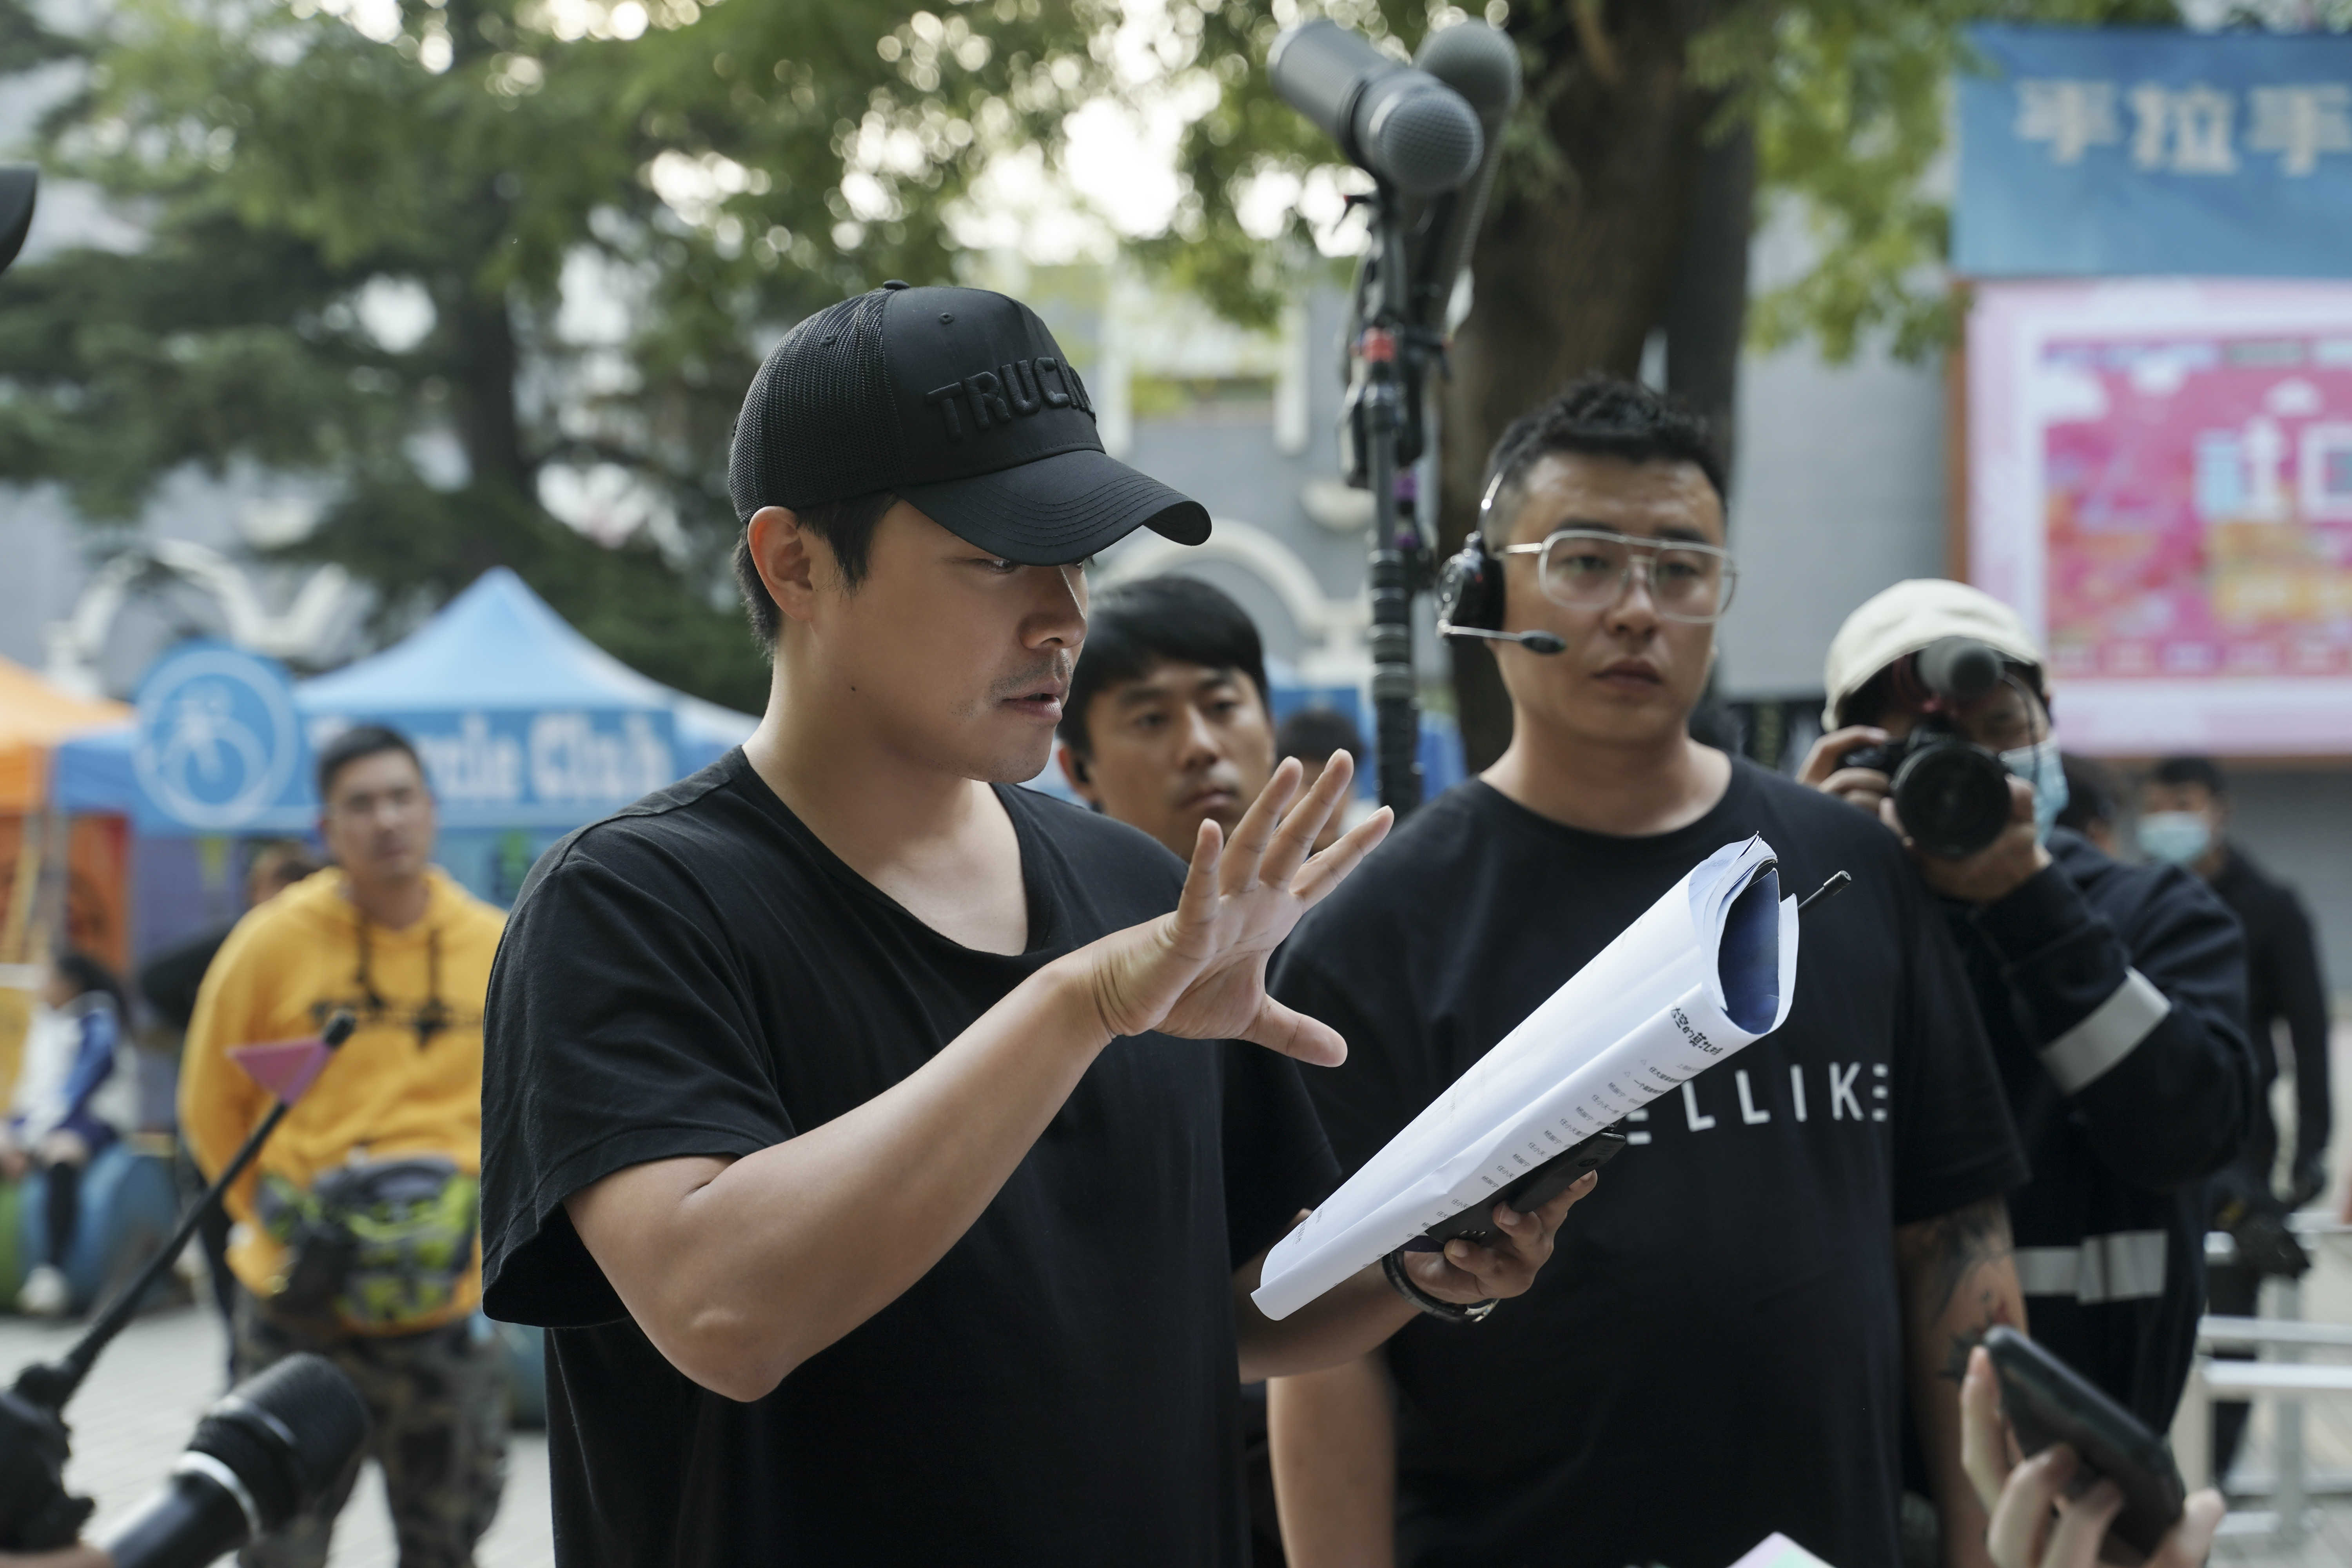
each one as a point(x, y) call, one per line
point(959, 402)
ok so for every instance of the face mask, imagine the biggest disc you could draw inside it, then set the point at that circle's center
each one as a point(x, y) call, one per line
point(2175, 838)
point(2039, 766)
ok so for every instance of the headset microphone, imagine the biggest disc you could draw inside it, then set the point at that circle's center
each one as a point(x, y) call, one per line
point(1470, 594)
point(1534, 642)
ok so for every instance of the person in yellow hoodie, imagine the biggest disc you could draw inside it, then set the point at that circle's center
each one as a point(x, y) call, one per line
point(356, 1228)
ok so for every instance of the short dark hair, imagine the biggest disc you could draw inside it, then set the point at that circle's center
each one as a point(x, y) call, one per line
point(361, 741)
point(848, 529)
point(290, 859)
point(1312, 734)
point(1603, 417)
point(2090, 791)
point(1130, 627)
point(2174, 771)
point(86, 972)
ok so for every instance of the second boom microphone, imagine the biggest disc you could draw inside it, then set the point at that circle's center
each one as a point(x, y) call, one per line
point(1399, 124)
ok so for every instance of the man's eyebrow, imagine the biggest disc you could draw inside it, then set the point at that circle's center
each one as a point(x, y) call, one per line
point(1680, 532)
point(1213, 679)
point(1135, 693)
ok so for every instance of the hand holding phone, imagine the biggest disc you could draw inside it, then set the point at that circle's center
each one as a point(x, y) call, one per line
point(2070, 1478)
point(1526, 1195)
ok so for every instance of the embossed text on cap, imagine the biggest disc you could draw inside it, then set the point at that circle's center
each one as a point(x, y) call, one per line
point(995, 398)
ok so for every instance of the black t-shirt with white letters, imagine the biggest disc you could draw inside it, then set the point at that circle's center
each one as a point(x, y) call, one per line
point(1715, 1350)
point(700, 975)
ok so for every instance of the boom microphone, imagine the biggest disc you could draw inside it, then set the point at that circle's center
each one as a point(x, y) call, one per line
point(1482, 64)
point(1398, 123)
point(1958, 670)
point(273, 1448)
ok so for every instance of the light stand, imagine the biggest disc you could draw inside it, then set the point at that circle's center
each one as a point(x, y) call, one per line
point(1382, 437)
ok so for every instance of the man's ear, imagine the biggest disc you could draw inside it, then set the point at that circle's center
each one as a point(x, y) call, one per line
point(1081, 778)
point(785, 554)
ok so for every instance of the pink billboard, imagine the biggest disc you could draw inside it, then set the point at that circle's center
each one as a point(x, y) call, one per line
point(2161, 481)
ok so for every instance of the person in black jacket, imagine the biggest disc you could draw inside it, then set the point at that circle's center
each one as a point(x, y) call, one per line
point(2184, 806)
point(2115, 997)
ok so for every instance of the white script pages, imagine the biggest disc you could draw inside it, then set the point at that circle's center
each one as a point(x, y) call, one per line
point(1709, 969)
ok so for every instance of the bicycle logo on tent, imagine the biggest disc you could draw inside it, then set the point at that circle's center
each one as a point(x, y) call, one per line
point(219, 741)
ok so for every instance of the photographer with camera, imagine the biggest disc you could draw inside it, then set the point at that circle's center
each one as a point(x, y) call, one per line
point(2115, 995)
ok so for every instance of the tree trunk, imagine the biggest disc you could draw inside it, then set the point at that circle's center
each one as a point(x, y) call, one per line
point(1707, 309)
point(1641, 224)
point(489, 427)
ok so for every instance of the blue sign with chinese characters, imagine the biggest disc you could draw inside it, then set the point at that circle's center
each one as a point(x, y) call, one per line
point(2121, 151)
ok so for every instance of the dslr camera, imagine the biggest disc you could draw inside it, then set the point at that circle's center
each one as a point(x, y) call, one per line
point(1951, 794)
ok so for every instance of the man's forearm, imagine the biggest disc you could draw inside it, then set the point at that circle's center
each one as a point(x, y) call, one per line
point(1333, 1438)
point(1958, 1279)
point(739, 1271)
point(1354, 1317)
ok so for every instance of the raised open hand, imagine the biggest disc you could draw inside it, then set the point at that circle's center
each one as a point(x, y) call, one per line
point(1199, 972)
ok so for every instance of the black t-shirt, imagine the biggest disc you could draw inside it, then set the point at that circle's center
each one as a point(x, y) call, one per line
point(701, 975)
point(1715, 1350)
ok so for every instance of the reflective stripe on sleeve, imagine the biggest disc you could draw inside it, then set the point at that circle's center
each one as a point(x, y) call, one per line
point(2078, 1057)
point(2125, 1266)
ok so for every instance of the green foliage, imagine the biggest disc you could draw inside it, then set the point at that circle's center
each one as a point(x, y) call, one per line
point(1251, 134)
point(1850, 100)
point(722, 170)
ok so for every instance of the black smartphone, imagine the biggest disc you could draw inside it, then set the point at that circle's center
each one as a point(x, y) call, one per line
point(2048, 1402)
point(1529, 1193)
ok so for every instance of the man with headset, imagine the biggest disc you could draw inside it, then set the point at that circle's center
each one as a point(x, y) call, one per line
point(1794, 1243)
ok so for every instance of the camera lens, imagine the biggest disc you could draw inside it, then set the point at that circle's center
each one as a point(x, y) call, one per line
point(1953, 798)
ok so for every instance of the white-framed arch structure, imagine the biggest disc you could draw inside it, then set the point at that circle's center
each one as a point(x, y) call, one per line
point(77, 644)
point(1332, 630)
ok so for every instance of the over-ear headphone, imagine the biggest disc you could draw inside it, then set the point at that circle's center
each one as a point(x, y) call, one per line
point(1470, 591)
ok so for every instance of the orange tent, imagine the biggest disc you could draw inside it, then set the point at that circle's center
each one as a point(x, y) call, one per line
point(35, 716)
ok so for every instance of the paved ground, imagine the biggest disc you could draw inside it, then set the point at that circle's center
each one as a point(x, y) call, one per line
point(140, 1405)
point(142, 1401)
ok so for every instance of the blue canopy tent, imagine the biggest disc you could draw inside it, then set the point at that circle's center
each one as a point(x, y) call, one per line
point(526, 728)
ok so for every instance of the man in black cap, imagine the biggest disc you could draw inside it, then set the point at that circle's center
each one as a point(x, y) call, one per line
point(815, 1124)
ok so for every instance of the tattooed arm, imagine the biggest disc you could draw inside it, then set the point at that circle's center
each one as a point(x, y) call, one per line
point(1959, 1278)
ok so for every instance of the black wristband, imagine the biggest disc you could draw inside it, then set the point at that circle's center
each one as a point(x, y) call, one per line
point(1452, 1312)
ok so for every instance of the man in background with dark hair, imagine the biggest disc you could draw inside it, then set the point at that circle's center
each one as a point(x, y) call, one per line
point(356, 1227)
point(1797, 1244)
point(2091, 806)
point(2184, 815)
point(1167, 724)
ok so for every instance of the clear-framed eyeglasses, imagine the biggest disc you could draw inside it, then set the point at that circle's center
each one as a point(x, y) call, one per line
point(1587, 568)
